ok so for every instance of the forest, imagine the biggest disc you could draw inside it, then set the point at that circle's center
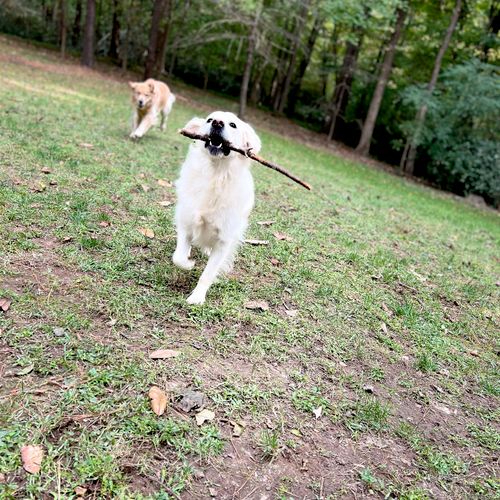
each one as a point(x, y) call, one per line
point(413, 83)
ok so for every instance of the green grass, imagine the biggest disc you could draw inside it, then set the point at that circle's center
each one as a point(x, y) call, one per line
point(395, 337)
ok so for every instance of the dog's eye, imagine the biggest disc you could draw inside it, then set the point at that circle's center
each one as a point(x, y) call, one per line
point(209, 120)
point(232, 125)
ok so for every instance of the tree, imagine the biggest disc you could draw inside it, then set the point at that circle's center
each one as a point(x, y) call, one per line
point(63, 27)
point(252, 45)
point(407, 162)
point(156, 20)
point(363, 147)
point(88, 56)
point(114, 42)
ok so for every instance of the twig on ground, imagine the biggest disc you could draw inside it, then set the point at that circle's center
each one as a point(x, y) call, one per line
point(248, 153)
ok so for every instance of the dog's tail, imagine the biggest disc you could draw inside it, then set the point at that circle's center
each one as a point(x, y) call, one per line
point(170, 103)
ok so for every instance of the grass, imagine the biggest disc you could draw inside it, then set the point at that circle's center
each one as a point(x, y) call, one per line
point(395, 337)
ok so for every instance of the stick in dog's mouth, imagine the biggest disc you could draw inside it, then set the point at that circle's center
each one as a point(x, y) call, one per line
point(216, 148)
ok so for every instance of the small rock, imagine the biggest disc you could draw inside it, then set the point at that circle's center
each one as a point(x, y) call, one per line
point(369, 389)
point(191, 400)
point(198, 474)
point(58, 332)
point(212, 492)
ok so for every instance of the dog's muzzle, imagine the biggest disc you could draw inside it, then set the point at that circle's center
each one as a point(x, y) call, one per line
point(216, 144)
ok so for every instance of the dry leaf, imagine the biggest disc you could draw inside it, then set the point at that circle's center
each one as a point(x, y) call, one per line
point(275, 262)
point(164, 183)
point(45, 170)
point(282, 236)
point(86, 145)
point(237, 430)
point(204, 416)
point(292, 312)
point(105, 223)
point(257, 304)
point(164, 354)
point(112, 322)
point(39, 188)
point(66, 239)
point(266, 222)
point(149, 233)
point(80, 491)
point(19, 372)
point(145, 188)
point(158, 400)
point(386, 310)
point(318, 411)
point(296, 432)
point(257, 242)
point(32, 458)
point(5, 304)
point(165, 203)
point(383, 327)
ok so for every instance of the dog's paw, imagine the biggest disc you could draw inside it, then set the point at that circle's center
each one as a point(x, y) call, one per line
point(183, 263)
point(135, 135)
point(196, 298)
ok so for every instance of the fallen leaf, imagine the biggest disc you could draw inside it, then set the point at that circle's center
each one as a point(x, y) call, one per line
point(257, 304)
point(164, 354)
point(282, 236)
point(80, 491)
point(383, 327)
point(296, 432)
point(386, 310)
point(474, 353)
point(204, 416)
point(165, 203)
point(291, 312)
point(39, 187)
point(164, 183)
point(86, 145)
point(5, 304)
point(45, 170)
point(257, 242)
point(19, 372)
point(66, 239)
point(149, 233)
point(58, 331)
point(237, 430)
point(444, 409)
point(266, 222)
point(275, 262)
point(145, 188)
point(212, 492)
point(32, 458)
point(112, 322)
point(105, 223)
point(318, 411)
point(158, 400)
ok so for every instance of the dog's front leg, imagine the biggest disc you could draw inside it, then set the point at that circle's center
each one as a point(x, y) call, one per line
point(146, 123)
point(219, 257)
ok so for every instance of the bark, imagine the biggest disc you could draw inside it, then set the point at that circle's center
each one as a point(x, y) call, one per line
point(295, 50)
point(304, 62)
point(77, 24)
point(492, 28)
point(63, 28)
point(363, 147)
point(341, 94)
point(252, 45)
point(115, 32)
point(156, 18)
point(255, 93)
point(407, 162)
point(162, 42)
point(88, 57)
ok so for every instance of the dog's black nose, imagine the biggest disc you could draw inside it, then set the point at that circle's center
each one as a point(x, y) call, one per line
point(217, 124)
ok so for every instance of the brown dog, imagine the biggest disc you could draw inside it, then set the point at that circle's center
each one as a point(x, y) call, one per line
point(150, 99)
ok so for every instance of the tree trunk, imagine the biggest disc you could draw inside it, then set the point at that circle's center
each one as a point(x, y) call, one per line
point(88, 57)
point(363, 147)
point(156, 18)
point(295, 49)
point(304, 62)
point(407, 162)
point(63, 28)
point(77, 24)
point(340, 97)
point(252, 45)
point(255, 93)
point(115, 32)
point(161, 48)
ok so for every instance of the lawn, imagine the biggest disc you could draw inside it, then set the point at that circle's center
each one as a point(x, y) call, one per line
point(372, 373)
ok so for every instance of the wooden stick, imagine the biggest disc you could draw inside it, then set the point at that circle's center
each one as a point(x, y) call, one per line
point(248, 153)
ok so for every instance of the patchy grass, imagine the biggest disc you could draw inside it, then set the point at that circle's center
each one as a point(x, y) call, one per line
point(395, 339)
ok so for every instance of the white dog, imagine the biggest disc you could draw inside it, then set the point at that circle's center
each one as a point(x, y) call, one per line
point(215, 196)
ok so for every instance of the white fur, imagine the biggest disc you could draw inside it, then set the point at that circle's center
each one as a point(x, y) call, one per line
point(215, 198)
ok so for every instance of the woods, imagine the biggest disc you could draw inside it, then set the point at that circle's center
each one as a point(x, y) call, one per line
point(372, 76)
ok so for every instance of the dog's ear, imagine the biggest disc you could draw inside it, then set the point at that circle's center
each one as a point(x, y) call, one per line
point(193, 125)
point(132, 85)
point(251, 139)
point(152, 87)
